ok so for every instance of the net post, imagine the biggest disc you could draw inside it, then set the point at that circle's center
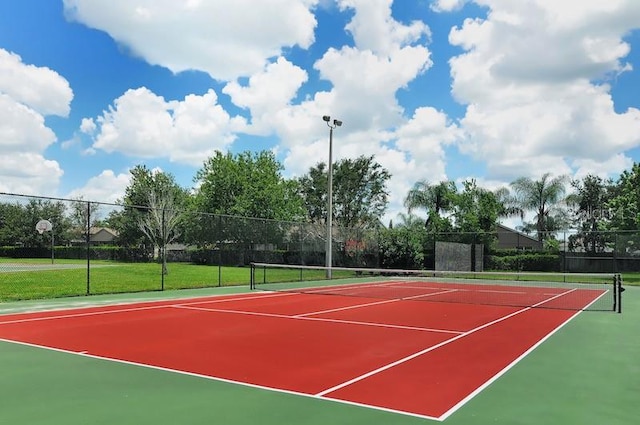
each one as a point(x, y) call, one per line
point(615, 293)
point(252, 276)
point(619, 293)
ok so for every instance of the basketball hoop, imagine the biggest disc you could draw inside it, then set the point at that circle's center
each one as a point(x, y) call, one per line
point(44, 226)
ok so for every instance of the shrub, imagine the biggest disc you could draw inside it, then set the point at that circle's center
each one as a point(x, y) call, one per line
point(538, 261)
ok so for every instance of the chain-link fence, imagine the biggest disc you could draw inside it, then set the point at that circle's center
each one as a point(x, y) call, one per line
point(564, 251)
point(96, 248)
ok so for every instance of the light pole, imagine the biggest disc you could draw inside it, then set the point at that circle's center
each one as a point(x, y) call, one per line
point(329, 248)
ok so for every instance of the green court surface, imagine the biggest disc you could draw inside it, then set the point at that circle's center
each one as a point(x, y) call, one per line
point(587, 373)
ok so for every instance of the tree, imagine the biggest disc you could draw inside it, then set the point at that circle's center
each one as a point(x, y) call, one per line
point(625, 200)
point(543, 196)
point(19, 221)
point(160, 223)
point(239, 190)
point(409, 220)
point(509, 203)
point(435, 199)
point(402, 248)
point(314, 192)
point(83, 214)
point(590, 212)
point(246, 185)
point(476, 210)
point(624, 207)
point(147, 196)
point(359, 192)
point(361, 196)
point(11, 224)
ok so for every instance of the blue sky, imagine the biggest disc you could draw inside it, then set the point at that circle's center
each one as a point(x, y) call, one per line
point(435, 89)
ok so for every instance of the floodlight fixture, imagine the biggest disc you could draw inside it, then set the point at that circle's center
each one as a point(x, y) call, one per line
point(326, 118)
point(337, 123)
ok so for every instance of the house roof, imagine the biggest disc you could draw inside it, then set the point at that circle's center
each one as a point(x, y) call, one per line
point(96, 230)
point(503, 228)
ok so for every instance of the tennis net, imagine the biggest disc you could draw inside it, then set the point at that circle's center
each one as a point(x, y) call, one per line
point(569, 291)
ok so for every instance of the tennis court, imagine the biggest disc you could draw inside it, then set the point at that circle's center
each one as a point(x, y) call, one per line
point(402, 346)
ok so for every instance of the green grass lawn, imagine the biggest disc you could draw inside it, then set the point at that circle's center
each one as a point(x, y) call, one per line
point(24, 279)
point(108, 277)
point(632, 279)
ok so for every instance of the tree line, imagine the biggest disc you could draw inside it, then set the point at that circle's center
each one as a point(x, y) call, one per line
point(156, 208)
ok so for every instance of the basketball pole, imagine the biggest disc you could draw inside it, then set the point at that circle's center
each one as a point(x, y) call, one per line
point(52, 250)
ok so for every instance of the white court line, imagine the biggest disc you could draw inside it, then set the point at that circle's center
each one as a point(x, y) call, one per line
point(331, 310)
point(317, 396)
point(317, 319)
point(313, 313)
point(177, 303)
point(342, 287)
point(132, 309)
point(214, 378)
point(513, 363)
point(497, 291)
point(354, 286)
point(433, 347)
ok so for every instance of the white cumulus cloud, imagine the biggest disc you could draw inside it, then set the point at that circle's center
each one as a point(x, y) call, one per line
point(107, 187)
point(28, 93)
point(267, 92)
point(447, 5)
point(226, 39)
point(29, 173)
point(365, 79)
point(532, 78)
point(373, 28)
point(142, 124)
point(38, 88)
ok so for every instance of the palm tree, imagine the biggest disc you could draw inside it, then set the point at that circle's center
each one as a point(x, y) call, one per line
point(509, 203)
point(435, 199)
point(542, 196)
point(409, 220)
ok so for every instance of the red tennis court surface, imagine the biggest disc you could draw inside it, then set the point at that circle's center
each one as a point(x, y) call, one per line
point(414, 357)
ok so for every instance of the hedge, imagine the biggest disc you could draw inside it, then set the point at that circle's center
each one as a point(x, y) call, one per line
point(113, 253)
point(542, 262)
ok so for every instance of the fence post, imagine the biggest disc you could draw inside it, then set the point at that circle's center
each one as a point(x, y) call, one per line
point(564, 251)
point(163, 252)
point(219, 243)
point(615, 252)
point(88, 245)
point(473, 252)
point(301, 235)
point(518, 258)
